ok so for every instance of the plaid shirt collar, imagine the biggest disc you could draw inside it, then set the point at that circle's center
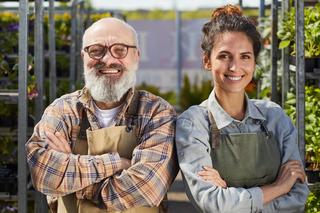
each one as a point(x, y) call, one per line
point(87, 101)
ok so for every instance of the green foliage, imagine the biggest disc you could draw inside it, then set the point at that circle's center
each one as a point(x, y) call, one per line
point(96, 16)
point(286, 34)
point(8, 151)
point(168, 96)
point(312, 121)
point(191, 94)
point(185, 15)
point(263, 67)
point(313, 202)
point(63, 87)
point(9, 39)
point(194, 94)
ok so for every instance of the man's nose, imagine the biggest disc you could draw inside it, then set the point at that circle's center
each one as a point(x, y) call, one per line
point(108, 58)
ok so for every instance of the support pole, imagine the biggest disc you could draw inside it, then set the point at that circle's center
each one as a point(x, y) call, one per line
point(22, 105)
point(40, 199)
point(300, 77)
point(179, 57)
point(274, 50)
point(285, 60)
point(73, 56)
point(52, 53)
point(262, 9)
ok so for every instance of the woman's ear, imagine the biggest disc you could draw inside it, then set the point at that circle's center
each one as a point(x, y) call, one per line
point(206, 62)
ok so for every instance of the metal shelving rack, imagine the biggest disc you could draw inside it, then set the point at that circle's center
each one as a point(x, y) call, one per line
point(300, 74)
point(20, 96)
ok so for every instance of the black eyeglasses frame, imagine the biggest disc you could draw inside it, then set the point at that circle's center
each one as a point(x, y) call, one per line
point(108, 49)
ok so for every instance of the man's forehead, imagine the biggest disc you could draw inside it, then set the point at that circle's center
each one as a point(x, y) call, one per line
point(108, 29)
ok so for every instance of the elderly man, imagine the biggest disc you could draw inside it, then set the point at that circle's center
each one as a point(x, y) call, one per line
point(106, 147)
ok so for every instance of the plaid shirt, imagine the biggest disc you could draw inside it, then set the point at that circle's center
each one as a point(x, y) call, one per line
point(98, 178)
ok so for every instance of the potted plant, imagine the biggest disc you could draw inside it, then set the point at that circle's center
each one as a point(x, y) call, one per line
point(286, 34)
point(312, 129)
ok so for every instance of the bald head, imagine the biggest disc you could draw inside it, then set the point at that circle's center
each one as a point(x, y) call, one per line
point(112, 27)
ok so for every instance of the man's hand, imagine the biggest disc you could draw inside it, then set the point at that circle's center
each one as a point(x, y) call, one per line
point(125, 163)
point(57, 142)
point(211, 175)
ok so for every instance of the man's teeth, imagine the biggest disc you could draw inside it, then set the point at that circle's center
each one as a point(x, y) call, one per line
point(234, 78)
point(110, 71)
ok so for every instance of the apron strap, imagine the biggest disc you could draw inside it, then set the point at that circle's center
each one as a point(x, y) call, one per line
point(131, 113)
point(84, 125)
point(132, 110)
point(215, 133)
point(264, 129)
point(263, 125)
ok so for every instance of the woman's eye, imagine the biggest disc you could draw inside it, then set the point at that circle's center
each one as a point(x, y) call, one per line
point(224, 56)
point(245, 56)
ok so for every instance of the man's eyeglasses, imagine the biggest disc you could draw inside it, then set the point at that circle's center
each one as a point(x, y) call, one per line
point(117, 50)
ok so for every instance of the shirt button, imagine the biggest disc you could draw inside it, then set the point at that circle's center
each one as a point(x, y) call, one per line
point(232, 126)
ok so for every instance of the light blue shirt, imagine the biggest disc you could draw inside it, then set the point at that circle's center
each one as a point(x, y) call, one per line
point(193, 149)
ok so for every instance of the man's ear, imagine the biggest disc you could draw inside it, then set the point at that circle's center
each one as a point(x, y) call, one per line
point(82, 54)
point(206, 62)
point(138, 54)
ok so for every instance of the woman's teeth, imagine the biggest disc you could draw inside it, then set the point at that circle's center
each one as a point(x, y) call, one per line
point(234, 78)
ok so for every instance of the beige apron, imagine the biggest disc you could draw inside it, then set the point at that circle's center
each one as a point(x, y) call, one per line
point(119, 139)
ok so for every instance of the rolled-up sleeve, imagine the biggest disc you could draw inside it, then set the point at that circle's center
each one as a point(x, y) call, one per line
point(193, 149)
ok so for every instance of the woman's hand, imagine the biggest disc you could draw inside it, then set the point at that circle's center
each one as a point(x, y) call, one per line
point(211, 175)
point(289, 173)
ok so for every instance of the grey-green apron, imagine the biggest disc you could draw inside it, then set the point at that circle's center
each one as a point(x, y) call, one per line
point(245, 159)
point(121, 139)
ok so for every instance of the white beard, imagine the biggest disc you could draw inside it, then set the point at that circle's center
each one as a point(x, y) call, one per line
point(104, 89)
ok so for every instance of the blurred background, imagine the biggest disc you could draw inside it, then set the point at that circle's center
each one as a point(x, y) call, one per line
point(40, 54)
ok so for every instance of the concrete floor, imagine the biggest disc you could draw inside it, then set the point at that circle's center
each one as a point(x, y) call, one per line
point(177, 199)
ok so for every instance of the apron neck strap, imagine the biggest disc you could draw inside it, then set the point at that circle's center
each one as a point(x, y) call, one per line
point(134, 104)
point(84, 125)
point(132, 110)
point(131, 113)
point(264, 129)
point(214, 132)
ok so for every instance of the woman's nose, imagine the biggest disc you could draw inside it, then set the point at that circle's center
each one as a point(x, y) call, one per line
point(233, 65)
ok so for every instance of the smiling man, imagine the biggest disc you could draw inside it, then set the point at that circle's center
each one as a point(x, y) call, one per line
point(107, 147)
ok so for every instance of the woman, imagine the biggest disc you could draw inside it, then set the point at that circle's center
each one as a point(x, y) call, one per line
point(237, 154)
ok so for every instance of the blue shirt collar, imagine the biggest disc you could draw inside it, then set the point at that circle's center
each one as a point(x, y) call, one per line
point(223, 119)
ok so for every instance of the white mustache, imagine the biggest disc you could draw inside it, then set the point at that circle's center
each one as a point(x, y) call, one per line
point(99, 66)
point(110, 66)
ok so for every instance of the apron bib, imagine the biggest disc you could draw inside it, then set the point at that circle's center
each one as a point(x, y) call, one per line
point(121, 139)
point(245, 159)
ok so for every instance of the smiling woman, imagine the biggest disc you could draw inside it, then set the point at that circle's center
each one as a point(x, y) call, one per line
point(232, 64)
point(235, 153)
